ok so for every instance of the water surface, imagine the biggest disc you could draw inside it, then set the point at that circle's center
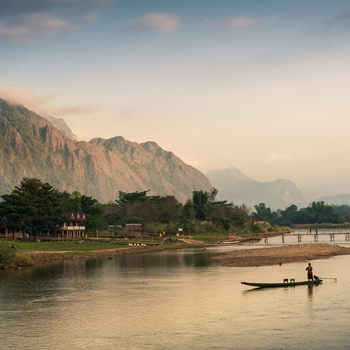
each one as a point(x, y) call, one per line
point(172, 300)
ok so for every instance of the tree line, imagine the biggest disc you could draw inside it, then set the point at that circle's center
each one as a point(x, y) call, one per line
point(315, 213)
point(33, 206)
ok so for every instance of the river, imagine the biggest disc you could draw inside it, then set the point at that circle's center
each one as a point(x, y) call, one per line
point(172, 300)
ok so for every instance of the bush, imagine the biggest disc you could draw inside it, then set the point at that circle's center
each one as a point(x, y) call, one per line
point(7, 253)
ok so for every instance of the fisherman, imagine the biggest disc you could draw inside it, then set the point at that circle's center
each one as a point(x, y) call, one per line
point(309, 272)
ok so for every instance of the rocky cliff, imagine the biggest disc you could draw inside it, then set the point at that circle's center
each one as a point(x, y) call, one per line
point(31, 146)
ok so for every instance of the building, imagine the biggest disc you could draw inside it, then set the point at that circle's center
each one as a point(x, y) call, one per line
point(73, 227)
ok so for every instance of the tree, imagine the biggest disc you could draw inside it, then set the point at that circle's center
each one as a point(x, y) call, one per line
point(289, 216)
point(168, 209)
point(32, 206)
point(137, 196)
point(319, 212)
point(188, 212)
point(93, 211)
point(239, 216)
point(75, 201)
point(262, 212)
point(201, 204)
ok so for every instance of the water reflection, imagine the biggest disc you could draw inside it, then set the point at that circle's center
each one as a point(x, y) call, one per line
point(170, 300)
point(177, 258)
point(310, 290)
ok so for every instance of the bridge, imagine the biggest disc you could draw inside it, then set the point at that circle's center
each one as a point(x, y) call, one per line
point(315, 236)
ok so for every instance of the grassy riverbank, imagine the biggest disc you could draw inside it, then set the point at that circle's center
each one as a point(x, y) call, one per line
point(21, 253)
point(26, 253)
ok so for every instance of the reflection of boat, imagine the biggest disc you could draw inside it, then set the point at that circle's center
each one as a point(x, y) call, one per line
point(292, 283)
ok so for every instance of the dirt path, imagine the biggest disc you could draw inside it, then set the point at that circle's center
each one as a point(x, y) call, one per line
point(280, 255)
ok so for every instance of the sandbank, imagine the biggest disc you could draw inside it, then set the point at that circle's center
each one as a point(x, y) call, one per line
point(280, 255)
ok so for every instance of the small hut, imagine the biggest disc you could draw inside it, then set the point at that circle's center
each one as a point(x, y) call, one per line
point(133, 230)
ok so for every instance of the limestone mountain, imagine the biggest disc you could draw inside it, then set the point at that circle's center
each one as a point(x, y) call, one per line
point(61, 125)
point(238, 188)
point(31, 146)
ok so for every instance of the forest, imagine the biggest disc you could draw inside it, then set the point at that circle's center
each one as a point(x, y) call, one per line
point(33, 206)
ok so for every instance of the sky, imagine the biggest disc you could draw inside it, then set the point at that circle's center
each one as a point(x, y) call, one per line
point(261, 85)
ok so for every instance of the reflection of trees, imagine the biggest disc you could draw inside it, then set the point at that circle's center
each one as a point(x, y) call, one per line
point(44, 283)
point(175, 258)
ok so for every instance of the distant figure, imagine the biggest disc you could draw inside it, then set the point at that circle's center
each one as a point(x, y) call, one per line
point(310, 230)
point(309, 272)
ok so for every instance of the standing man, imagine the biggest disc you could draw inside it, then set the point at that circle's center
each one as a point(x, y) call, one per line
point(310, 276)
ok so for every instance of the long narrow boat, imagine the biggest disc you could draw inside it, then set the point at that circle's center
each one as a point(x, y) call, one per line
point(283, 284)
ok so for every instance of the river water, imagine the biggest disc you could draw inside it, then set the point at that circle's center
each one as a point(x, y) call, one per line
point(173, 300)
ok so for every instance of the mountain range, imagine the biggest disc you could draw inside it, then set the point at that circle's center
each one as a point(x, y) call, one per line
point(238, 188)
point(46, 148)
point(32, 146)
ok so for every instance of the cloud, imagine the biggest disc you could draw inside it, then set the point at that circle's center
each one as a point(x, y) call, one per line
point(238, 22)
point(32, 25)
point(27, 98)
point(243, 21)
point(40, 104)
point(275, 158)
point(71, 110)
point(162, 22)
point(92, 17)
point(26, 19)
point(18, 7)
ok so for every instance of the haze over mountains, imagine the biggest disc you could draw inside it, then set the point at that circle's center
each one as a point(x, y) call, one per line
point(46, 148)
point(234, 186)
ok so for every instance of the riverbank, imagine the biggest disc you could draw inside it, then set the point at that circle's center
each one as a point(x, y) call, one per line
point(280, 255)
point(33, 253)
point(58, 251)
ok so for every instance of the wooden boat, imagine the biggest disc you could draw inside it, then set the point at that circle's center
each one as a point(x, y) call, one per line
point(291, 283)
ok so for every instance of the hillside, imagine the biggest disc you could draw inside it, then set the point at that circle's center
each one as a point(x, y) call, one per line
point(238, 188)
point(31, 146)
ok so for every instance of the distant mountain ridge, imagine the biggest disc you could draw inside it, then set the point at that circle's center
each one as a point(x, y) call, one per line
point(340, 199)
point(31, 146)
point(234, 186)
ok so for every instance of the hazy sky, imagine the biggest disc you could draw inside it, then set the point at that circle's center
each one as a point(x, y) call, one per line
point(261, 85)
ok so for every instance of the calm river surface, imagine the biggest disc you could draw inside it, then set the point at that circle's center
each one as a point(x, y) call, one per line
point(173, 300)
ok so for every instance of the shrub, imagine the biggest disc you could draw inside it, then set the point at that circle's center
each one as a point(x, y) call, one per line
point(7, 253)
